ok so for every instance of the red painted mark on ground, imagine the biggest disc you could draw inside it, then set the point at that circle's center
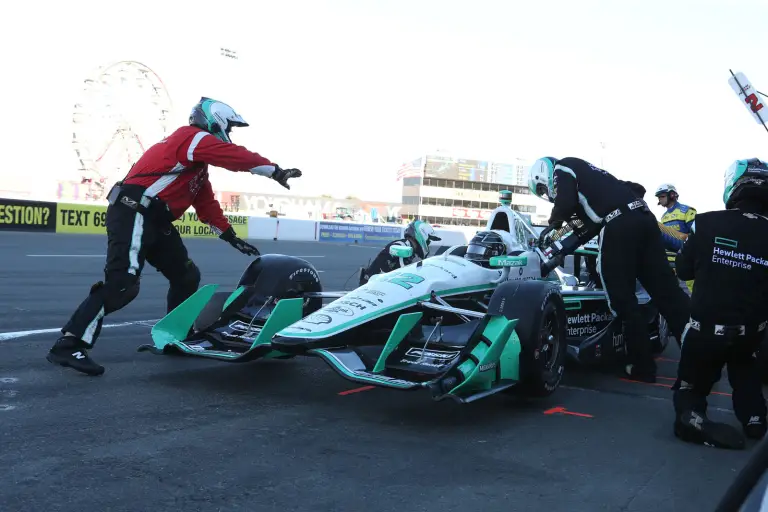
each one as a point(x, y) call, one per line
point(659, 384)
point(667, 359)
point(356, 390)
point(563, 410)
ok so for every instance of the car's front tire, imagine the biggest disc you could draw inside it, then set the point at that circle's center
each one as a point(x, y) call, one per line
point(541, 329)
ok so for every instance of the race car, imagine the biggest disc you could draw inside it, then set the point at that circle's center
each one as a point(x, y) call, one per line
point(458, 328)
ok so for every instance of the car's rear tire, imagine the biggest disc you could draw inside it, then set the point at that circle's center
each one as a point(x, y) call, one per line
point(541, 328)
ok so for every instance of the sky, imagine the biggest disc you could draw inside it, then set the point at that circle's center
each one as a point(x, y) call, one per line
point(348, 90)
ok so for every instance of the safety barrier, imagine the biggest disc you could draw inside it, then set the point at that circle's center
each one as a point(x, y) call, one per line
point(50, 217)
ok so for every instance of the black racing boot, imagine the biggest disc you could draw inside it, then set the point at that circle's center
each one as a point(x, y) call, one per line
point(694, 427)
point(756, 428)
point(641, 373)
point(69, 351)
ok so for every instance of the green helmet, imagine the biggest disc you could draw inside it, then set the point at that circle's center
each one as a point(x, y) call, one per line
point(423, 233)
point(746, 179)
point(215, 117)
point(541, 177)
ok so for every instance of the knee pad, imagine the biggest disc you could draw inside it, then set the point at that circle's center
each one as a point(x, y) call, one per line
point(191, 277)
point(118, 291)
point(188, 279)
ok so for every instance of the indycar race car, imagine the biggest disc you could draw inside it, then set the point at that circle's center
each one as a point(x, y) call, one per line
point(460, 329)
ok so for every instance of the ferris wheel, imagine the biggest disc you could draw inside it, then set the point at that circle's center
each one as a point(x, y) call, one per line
point(123, 108)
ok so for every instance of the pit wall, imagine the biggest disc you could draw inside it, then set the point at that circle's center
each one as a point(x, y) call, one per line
point(50, 217)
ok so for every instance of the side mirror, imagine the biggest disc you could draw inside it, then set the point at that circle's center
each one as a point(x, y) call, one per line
point(508, 261)
point(399, 251)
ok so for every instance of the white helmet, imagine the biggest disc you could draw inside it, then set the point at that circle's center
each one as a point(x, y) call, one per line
point(541, 178)
point(423, 233)
point(215, 117)
point(667, 188)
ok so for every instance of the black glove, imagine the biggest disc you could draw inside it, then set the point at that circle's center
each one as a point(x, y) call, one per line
point(281, 175)
point(241, 245)
point(544, 234)
point(556, 224)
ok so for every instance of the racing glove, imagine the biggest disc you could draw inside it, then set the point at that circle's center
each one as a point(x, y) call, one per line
point(239, 244)
point(545, 234)
point(282, 175)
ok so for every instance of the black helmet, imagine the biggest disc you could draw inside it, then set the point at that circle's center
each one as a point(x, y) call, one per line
point(487, 244)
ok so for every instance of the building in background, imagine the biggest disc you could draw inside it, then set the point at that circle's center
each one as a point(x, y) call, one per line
point(445, 190)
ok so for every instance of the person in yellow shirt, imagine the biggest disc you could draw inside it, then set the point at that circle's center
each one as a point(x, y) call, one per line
point(678, 217)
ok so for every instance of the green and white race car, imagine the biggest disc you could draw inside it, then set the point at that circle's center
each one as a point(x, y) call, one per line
point(455, 327)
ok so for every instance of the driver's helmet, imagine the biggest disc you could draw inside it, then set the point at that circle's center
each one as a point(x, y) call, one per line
point(216, 118)
point(746, 179)
point(487, 244)
point(669, 189)
point(541, 177)
point(423, 234)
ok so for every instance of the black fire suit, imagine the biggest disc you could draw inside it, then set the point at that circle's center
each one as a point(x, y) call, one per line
point(385, 262)
point(727, 255)
point(630, 249)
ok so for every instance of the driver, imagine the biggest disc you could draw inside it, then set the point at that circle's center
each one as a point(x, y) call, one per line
point(630, 248)
point(678, 217)
point(170, 176)
point(727, 254)
point(487, 244)
point(418, 236)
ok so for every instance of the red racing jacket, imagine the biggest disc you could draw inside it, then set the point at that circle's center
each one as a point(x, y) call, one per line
point(176, 171)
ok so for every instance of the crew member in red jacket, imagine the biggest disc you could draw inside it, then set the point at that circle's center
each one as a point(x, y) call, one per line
point(170, 177)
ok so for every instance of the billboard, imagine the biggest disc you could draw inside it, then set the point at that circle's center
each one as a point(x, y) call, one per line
point(461, 169)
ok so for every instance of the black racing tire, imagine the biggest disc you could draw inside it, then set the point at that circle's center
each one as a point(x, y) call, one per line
point(211, 311)
point(541, 328)
point(278, 276)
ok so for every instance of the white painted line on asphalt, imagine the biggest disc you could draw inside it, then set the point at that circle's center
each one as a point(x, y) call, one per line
point(5, 336)
point(67, 255)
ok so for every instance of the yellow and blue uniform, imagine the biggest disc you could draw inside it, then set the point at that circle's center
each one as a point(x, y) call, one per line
point(679, 217)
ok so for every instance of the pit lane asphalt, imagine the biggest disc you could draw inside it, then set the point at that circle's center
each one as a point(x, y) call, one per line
point(173, 433)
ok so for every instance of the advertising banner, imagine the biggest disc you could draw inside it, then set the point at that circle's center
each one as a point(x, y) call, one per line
point(189, 225)
point(92, 219)
point(346, 232)
point(81, 219)
point(21, 215)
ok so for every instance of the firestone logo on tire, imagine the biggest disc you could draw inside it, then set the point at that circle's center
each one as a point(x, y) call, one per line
point(305, 270)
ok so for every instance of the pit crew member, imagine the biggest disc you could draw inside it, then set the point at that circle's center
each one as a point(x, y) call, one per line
point(630, 248)
point(678, 217)
point(418, 236)
point(727, 254)
point(170, 176)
